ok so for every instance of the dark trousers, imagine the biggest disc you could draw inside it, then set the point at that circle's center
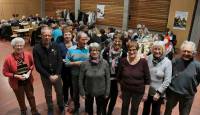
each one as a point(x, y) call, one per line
point(127, 97)
point(67, 83)
point(47, 84)
point(112, 97)
point(100, 102)
point(173, 98)
point(75, 86)
point(26, 88)
point(155, 106)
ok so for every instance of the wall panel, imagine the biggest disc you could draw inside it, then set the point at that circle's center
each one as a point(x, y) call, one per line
point(52, 5)
point(152, 13)
point(21, 7)
point(113, 11)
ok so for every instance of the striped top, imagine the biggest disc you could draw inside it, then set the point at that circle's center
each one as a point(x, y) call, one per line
point(76, 54)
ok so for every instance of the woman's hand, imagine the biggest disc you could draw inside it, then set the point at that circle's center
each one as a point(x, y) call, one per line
point(120, 94)
point(20, 77)
point(83, 96)
point(145, 96)
point(156, 97)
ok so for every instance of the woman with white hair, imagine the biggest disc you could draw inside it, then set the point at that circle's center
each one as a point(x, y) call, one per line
point(18, 68)
point(160, 70)
point(94, 81)
point(185, 79)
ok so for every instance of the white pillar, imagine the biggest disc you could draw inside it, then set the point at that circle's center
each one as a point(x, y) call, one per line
point(77, 8)
point(125, 15)
point(42, 8)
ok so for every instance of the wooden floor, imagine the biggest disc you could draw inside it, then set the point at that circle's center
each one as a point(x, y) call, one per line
point(9, 105)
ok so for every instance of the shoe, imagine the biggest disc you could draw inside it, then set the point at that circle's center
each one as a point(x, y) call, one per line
point(23, 112)
point(76, 112)
point(62, 112)
point(37, 113)
point(50, 112)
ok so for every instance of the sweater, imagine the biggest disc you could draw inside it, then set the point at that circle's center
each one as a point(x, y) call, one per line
point(186, 77)
point(133, 78)
point(10, 68)
point(94, 79)
point(160, 75)
point(75, 54)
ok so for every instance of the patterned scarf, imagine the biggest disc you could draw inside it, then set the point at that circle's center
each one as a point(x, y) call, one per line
point(114, 59)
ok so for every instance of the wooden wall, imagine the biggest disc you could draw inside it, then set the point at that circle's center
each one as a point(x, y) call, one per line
point(113, 11)
point(152, 13)
point(21, 7)
point(52, 5)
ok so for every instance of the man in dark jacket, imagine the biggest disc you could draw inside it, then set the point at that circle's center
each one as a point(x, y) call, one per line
point(48, 63)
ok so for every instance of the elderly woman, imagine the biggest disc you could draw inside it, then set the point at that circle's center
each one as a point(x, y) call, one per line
point(134, 78)
point(113, 55)
point(185, 79)
point(18, 67)
point(94, 81)
point(160, 71)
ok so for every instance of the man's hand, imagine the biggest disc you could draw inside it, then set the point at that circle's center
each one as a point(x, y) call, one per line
point(53, 78)
point(83, 97)
point(77, 63)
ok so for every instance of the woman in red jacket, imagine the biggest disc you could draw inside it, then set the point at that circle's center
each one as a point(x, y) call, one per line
point(18, 67)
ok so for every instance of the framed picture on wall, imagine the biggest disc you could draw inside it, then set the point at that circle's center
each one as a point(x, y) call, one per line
point(180, 20)
point(100, 11)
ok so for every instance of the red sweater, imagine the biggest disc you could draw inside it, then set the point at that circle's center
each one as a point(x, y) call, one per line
point(10, 68)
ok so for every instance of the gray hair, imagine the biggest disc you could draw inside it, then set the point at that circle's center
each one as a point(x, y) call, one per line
point(45, 28)
point(94, 45)
point(159, 43)
point(130, 31)
point(190, 43)
point(17, 40)
point(79, 35)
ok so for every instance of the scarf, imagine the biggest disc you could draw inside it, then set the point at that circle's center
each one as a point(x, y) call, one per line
point(114, 57)
point(94, 61)
point(157, 60)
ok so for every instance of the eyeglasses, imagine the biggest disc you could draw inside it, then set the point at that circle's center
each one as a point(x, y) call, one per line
point(186, 51)
point(46, 35)
point(134, 50)
point(19, 46)
point(95, 50)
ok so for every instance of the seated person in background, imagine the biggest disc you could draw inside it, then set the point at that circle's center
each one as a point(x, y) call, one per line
point(56, 32)
point(139, 35)
point(168, 46)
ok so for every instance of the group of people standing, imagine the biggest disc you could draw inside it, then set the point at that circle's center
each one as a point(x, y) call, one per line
point(90, 72)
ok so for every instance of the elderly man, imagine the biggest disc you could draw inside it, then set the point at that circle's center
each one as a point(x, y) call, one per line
point(48, 63)
point(185, 79)
point(76, 55)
